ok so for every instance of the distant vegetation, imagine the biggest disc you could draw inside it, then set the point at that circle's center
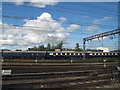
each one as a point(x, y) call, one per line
point(77, 48)
point(49, 47)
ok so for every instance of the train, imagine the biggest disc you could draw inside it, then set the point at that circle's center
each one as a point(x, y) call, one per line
point(54, 54)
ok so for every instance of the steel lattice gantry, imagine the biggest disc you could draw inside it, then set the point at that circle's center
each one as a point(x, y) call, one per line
point(101, 35)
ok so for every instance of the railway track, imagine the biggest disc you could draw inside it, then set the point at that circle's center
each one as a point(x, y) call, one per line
point(40, 68)
point(49, 75)
point(58, 80)
point(53, 74)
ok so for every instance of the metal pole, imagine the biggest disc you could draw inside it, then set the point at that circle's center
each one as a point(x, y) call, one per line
point(2, 55)
point(104, 61)
point(119, 25)
point(36, 60)
point(83, 49)
point(71, 60)
point(83, 45)
point(118, 40)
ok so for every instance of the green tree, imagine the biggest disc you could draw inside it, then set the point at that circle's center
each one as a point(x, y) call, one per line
point(60, 45)
point(53, 48)
point(77, 47)
point(41, 48)
point(34, 48)
point(18, 50)
point(48, 47)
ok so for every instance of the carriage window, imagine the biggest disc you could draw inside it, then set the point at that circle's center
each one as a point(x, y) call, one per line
point(69, 53)
point(96, 53)
point(105, 53)
point(90, 53)
point(72, 54)
point(51, 53)
point(56, 53)
point(116, 54)
point(63, 53)
point(76, 53)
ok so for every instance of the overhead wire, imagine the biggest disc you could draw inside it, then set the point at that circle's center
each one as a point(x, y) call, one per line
point(68, 22)
point(26, 17)
point(77, 13)
point(16, 17)
point(92, 6)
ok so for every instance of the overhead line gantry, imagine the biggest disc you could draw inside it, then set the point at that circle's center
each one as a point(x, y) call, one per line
point(101, 35)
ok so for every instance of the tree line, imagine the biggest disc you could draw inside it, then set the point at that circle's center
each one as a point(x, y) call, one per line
point(50, 47)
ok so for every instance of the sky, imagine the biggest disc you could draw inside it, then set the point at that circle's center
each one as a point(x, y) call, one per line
point(28, 24)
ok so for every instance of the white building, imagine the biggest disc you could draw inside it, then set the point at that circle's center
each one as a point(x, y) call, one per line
point(104, 49)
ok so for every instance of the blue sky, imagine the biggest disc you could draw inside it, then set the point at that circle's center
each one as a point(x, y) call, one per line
point(81, 19)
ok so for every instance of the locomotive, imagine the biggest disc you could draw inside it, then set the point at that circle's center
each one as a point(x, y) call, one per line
point(53, 54)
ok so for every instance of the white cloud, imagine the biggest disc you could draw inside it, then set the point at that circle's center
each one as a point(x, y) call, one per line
point(95, 25)
point(36, 3)
point(0, 22)
point(62, 19)
point(41, 30)
point(106, 18)
point(73, 27)
point(97, 21)
point(99, 39)
point(100, 32)
point(90, 28)
point(26, 19)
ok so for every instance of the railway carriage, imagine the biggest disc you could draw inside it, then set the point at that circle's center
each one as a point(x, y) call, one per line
point(53, 54)
point(103, 54)
point(24, 54)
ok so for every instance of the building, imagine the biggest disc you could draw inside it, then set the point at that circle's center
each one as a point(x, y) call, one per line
point(104, 49)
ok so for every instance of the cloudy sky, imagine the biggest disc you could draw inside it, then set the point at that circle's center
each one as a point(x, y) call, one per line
point(28, 24)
